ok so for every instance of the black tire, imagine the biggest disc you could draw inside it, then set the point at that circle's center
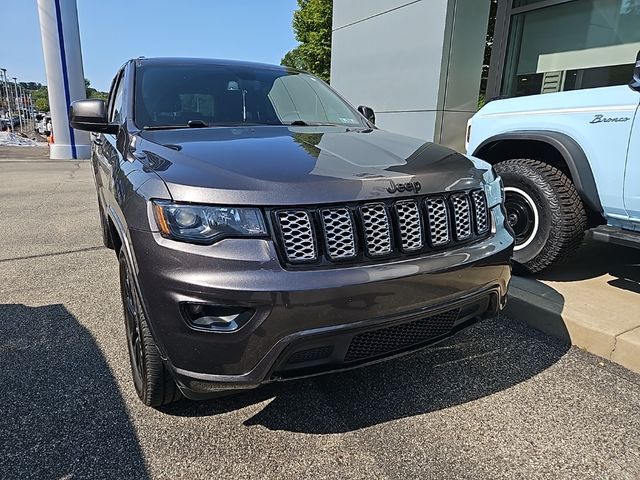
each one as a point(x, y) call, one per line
point(107, 241)
point(540, 193)
point(152, 379)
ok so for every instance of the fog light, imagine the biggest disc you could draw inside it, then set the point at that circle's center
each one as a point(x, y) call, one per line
point(220, 318)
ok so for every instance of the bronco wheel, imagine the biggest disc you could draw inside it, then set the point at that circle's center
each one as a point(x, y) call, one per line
point(153, 381)
point(545, 212)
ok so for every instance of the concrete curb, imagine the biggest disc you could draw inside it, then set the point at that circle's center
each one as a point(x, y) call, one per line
point(615, 337)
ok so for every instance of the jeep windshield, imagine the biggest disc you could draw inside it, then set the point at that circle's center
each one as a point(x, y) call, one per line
point(211, 95)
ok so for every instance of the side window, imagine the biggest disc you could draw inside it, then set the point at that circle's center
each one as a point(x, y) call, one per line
point(116, 106)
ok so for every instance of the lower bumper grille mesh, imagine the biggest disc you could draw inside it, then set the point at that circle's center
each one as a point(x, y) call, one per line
point(311, 354)
point(399, 337)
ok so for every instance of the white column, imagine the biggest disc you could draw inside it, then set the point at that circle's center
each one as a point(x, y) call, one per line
point(65, 76)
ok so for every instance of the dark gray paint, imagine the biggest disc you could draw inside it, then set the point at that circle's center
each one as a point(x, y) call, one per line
point(278, 166)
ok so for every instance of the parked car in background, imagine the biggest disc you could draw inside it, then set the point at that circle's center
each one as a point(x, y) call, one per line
point(266, 230)
point(42, 123)
point(570, 162)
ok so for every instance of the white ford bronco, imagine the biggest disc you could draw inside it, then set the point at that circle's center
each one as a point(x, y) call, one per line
point(570, 162)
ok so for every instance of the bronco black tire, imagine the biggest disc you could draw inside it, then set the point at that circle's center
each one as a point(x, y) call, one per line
point(152, 379)
point(545, 212)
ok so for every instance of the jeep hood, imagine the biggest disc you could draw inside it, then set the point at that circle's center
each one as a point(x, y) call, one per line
point(283, 165)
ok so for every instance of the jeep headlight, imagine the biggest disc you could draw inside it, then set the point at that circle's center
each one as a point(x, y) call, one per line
point(207, 224)
point(494, 191)
point(493, 187)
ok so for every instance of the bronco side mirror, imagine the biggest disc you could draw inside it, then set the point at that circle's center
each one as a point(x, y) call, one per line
point(368, 113)
point(91, 115)
point(635, 82)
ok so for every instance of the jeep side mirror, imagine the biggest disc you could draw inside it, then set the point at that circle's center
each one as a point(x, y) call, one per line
point(368, 113)
point(91, 115)
point(635, 82)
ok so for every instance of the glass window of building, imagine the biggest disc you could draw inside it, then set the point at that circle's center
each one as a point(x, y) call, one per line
point(570, 45)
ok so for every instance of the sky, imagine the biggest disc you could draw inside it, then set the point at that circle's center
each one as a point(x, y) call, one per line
point(112, 31)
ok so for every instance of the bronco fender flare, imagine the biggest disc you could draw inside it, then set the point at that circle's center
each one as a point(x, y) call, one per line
point(569, 149)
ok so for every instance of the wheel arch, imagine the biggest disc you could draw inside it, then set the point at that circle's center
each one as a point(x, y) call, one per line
point(535, 144)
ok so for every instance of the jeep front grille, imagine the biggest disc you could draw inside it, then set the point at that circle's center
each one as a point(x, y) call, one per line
point(384, 229)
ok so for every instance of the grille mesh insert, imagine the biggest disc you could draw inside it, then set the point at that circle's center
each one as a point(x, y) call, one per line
point(480, 211)
point(399, 337)
point(438, 221)
point(311, 354)
point(410, 225)
point(297, 235)
point(461, 216)
point(338, 233)
point(376, 228)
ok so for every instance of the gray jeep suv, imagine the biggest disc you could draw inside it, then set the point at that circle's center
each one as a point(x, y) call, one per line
point(267, 230)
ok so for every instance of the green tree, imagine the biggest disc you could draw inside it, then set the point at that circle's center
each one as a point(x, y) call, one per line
point(493, 10)
point(42, 104)
point(92, 92)
point(312, 27)
point(40, 94)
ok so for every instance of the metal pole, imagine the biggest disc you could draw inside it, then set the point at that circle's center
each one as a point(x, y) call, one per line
point(6, 92)
point(23, 100)
point(65, 78)
point(2, 94)
point(31, 110)
point(15, 83)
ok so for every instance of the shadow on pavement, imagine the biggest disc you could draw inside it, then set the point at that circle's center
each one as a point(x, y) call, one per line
point(486, 359)
point(594, 259)
point(62, 415)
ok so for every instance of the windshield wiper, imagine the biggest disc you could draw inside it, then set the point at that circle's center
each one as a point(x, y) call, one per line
point(304, 123)
point(190, 124)
point(164, 127)
point(196, 124)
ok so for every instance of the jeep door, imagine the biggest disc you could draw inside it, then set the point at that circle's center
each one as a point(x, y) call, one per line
point(106, 155)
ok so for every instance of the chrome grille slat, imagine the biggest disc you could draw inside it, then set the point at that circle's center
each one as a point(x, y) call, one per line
point(377, 230)
point(480, 211)
point(461, 215)
point(297, 235)
point(438, 218)
point(338, 233)
point(410, 225)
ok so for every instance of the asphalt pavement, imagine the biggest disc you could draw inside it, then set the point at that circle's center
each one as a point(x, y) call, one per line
point(501, 400)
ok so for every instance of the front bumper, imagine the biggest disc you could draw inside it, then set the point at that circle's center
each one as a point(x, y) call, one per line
point(313, 311)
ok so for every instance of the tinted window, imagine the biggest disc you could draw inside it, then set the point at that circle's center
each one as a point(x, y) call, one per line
point(232, 95)
point(116, 107)
point(570, 46)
